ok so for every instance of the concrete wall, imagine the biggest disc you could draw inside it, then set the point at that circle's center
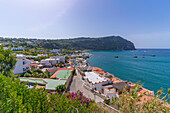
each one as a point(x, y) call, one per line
point(69, 80)
point(19, 66)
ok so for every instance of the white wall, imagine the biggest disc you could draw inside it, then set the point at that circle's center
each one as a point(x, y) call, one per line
point(18, 66)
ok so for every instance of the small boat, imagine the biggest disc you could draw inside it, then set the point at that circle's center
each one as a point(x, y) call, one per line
point(153, 55)
point(135, 56)
point(116, 56)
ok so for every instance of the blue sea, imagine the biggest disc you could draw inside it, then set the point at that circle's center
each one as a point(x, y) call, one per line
point(153, 72)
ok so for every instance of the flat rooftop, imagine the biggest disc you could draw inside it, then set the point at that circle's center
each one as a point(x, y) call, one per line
point(93, 77)
point(31, 80)
point(50, 84)
point(53, 83)
point(63, 74)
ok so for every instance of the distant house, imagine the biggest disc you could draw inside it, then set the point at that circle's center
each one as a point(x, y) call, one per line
point(60, 58)
point(22, 65)
point(5, 48)
point(55, 51)
point(42, 55)
point(29, 42)
point(49, 62)
point(17, 49)
point(45, 62)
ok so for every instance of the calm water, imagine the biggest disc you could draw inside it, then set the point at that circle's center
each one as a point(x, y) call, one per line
point(152, 72)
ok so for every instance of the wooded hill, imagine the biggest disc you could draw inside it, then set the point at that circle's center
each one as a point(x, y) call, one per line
point(103, 43)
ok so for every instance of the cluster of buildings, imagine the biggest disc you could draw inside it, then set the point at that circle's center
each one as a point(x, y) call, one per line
point(59, 76)
point(96, 78)
point(62, 76)
point(107, 84)
point(23, 64)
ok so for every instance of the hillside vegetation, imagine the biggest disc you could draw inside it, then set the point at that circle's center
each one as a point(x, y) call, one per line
point(103, 43)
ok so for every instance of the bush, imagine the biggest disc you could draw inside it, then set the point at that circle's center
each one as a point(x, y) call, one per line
point(16, 97)
point(60, 88)
point(27, 74)
point(130, 102)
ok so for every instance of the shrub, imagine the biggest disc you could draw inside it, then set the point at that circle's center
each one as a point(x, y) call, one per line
point(132, 102)
point(16, 97)
point(60, 88)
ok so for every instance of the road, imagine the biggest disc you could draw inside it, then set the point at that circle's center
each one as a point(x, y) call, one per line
point(77, 84)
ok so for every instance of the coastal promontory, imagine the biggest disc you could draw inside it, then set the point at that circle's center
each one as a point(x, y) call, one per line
point(101, 43)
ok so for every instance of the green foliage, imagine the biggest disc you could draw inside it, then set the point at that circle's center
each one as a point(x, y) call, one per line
point(47, 73)
point(104, 43)
point(60, 88)
point(130, 102)
point(17, 98)
point(74, 71)
point(27, 74)
point(66, 57)
point(7, 61)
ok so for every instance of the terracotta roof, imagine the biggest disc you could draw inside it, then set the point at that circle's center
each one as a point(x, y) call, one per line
point(33, 64)
point(52, 70)
point(146, 91)
point(117, 80)
point(97, 69)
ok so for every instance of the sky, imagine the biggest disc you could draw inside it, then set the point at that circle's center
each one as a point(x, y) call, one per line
point(144, 22)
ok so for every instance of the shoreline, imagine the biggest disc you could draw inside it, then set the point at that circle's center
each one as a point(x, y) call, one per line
point(111, 73)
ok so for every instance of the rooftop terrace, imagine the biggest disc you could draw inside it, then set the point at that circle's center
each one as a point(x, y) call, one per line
point(31, 80)
point(94, 78)
point(63, 74)
point(52, 84)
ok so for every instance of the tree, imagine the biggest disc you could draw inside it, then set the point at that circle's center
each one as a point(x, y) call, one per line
point(60, 88)
point(27, 74)
point(7, 61)
point(47, 73)
point(67, 57)
point(74, 71)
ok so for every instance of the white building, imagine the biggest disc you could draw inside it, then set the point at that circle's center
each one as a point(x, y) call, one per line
point(114, 89)
point(49, 62)
point(22, 65)
point(17, 48)
point(5, 48)
point(95, 80)
point(61, 58)
point(55, 51)
point(42, 55)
